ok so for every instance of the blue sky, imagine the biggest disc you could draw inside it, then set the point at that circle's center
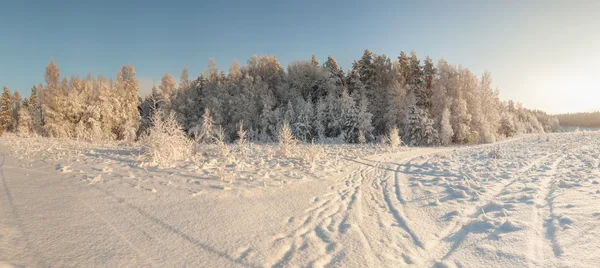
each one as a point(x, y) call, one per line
point(541, 53)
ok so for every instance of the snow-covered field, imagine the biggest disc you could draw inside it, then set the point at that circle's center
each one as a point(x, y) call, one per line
point(528, 202)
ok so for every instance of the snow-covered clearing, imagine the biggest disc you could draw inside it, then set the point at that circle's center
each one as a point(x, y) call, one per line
point(529, 202)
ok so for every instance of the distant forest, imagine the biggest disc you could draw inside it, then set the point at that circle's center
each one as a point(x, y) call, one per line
point(591, 119)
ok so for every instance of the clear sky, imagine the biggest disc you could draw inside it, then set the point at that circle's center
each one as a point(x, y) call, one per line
point(545, 54)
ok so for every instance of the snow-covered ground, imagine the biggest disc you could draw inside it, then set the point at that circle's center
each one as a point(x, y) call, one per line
point(528, 202)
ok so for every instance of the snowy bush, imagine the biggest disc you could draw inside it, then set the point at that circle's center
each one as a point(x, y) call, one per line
point(393, 138)
point(495, 153)
point(165, 141)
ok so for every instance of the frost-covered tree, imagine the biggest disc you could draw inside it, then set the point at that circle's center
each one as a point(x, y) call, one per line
point(5, 110)
point(128, 117)
point(420, 129)
point(490, 107)
point(33, 98)
point(165, 142)
point(15, 109)
point(429, 105)
point(184, 79)
point(290, 115)
point(286, 139)
point(404, 69)
point(205, 133)
point(384, 86)
point(166, 91)
point(336, 73)
point(393, 138)
point(354, 119)
point(304, 123)
point(321, 120)
point(309, 81)
point(314, 60)
point(446, 132)
point(53, 102)
point(25, 127)
point(215, 94)
point(35, 108)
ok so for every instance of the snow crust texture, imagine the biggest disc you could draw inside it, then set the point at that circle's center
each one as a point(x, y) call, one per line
point(527, 202)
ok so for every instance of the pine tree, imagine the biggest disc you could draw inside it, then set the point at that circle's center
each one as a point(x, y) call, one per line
point(5, 110)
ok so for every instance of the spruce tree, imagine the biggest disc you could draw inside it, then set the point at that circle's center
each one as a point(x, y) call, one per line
point(25, 127)
point(15, 108)
point(207, 129)
point(336, 72)
point(5, 110)
point(33, 99)
point(404, 69)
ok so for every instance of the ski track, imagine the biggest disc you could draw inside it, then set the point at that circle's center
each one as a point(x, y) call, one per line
point(390, 193)
point(35, 253)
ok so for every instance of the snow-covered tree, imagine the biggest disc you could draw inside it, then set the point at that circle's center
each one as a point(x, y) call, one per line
point(205, 133)
point(404, 69)
point(25, 127)
point(304, 122)
point(308, 81)
point(336, 73)
point(128, 117)
point(420, 129)
point(165, 142)
point(5, 110)
point(393, 138)
point(15, 109)
point(166, 91)
point(446, 132)
point(314, 60)
point(286, 139)
point(53, 103)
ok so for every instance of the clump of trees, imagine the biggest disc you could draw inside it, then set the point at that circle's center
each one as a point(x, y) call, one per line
point(427, 103)
point(93, 109)
point(591, 120)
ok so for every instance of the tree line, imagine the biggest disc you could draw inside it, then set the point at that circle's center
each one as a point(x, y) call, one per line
point(591, 119)
point(428, 104)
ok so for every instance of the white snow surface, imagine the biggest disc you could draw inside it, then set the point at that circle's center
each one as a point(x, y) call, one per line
point(527, 202)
